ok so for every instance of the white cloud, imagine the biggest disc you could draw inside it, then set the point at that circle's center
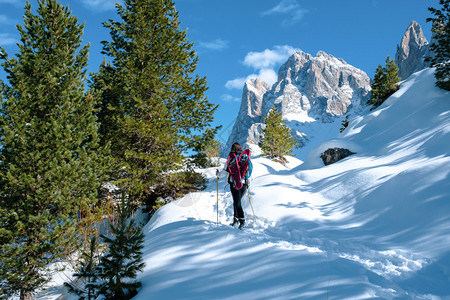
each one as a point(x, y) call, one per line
point(101, 4)
point(288, 7)
point(237, 83)
point(269, 57)
point(264, 63)
point(229, 98)
point(267, 75)
point(7, 39)
point(285, 6)
point(217, 44)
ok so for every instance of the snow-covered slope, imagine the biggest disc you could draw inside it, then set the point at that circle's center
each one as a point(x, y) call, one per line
point(375, 225)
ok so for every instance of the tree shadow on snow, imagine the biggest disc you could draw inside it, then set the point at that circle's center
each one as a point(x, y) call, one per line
point(200, 260)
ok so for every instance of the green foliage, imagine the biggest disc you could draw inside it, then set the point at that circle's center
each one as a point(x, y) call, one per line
point(153, 107)
point(209, 156)
point(276, 140)
point(440, 46)
point(119, 266)
point(385, 83)
point(212, 151)
point(160, 202)
point(50, 156)
point(86, 278)
point(200, 160)
point(175, 185)
point(344, 124)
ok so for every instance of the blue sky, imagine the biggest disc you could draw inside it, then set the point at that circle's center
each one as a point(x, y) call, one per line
point(238, 39)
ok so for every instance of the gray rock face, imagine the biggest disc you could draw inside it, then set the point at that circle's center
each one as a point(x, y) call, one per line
point(411, 52)
point(319, 87)
point(246, 129)
point(309, 89)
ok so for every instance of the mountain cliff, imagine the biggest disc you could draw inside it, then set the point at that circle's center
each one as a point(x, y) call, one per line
point(310, 91)
point(411, 53)
point(249, 116)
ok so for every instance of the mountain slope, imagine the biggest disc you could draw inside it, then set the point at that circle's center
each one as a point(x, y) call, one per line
point(374, 225)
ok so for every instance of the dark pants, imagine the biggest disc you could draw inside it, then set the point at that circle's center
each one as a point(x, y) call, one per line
point(237, 197)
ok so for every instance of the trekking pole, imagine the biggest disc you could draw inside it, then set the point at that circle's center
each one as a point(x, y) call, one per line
point(217, 208)
point(251, 205)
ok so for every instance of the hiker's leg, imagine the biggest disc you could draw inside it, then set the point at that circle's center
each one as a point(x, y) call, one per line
point(240, 211)
point(235, 194)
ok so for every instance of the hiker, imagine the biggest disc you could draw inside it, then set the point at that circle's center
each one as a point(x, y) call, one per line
point(237, 193)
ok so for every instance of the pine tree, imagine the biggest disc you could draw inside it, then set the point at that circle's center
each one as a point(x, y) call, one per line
point(49, 147)
point(440, 46)
point(212, 151)
point(208, 156)
point(85, 287)
point(378, 84)
point(153, 107)
point(392, 80)
point(120, 265)
point(276, 140)
point(385, 83)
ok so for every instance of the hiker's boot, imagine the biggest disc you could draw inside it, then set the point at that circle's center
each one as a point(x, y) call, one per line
point(241, 223)
point(235, 220)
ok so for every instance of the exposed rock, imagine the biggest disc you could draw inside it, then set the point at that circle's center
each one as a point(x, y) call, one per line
point(309, 89)
point(333, 155)
point(319, 87)
point(247, 126)
point(411, 52)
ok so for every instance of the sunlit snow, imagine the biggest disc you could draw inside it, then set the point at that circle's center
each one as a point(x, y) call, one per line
point(374, 225)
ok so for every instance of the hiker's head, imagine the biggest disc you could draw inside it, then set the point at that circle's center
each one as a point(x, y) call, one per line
point(236, 148)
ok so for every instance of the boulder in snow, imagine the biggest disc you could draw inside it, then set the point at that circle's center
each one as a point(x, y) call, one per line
point(333, 155)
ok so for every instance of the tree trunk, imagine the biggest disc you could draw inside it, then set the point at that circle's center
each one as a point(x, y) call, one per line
point(25, 295)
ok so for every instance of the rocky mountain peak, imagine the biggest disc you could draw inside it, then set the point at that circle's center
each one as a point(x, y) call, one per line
point(413, 36)
point(308, 89)
point(252, 95)
point(411, 51)
point(250, 113)
point(321, 86)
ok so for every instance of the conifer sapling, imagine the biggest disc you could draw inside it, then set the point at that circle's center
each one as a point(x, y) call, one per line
point(120, 264)
point(276, 140)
